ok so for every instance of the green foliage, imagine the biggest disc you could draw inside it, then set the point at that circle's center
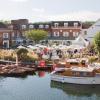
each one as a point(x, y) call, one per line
point(21, 53)
point(92, 59)
point(88, 23)
point(42, 23)
point(36, 35)
point(5, 21)
point(28, 59)
point(11, 58)
point(97, 42)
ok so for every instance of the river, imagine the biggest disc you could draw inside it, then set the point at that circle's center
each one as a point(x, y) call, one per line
point(39, 87)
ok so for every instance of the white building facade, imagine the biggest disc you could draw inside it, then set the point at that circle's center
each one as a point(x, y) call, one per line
point(92, 30)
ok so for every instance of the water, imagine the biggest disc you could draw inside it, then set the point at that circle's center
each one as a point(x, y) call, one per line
point(39, 87)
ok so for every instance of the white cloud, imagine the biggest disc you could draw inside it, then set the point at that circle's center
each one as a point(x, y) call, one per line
point(38, 10)
point(19, 0)
point(80, 15)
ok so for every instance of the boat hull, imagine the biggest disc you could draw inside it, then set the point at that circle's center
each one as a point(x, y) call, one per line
point(75, 80)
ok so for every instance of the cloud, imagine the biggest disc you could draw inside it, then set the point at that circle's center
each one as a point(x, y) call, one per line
point(80, 15)
point(19, 0)
point(38, 10)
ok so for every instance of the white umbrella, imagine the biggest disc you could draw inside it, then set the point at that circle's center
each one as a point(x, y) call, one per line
point(45, 57)
point(32, 47)
point(41, 46)
point(62, 46)
point(19, 47)
point(55, 57)
point(76, 47)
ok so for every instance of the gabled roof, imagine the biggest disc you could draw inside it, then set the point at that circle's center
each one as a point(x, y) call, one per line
point(80, 41)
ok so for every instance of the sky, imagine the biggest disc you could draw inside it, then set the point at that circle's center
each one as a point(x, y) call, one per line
point(50, 10)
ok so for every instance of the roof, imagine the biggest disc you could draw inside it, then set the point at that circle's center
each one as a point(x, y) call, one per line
point(86, 25)
point(82, 69)
point(80, 41)
point(70, 23)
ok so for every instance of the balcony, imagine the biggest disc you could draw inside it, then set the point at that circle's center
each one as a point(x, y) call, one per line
point(60, 38)
point(69, 27)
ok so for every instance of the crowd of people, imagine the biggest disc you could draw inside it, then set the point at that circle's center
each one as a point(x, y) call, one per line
point(56, 53)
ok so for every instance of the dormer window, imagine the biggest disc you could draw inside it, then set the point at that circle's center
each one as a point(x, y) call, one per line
point(31, 26)
point(56, 24)
point(46, 26)
point(75, 24)
point(41, 26)
point(23, 26)
point(65, 24)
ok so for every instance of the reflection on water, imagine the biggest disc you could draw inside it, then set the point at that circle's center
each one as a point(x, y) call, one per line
point(39, 87)
point(77, 90)
point(41, 73)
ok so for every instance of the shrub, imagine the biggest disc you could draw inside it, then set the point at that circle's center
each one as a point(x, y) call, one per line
point(9, 58)
point(28, 59)
point(92, 59)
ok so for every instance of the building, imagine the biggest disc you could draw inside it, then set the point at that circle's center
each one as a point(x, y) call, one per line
point(6, 34)
point(65, 31)
point(92, 30)
point(19, 28)
point(58, 31)
point(85, 26)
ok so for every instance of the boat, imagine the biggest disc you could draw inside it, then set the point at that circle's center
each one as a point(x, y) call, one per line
point(76, 75)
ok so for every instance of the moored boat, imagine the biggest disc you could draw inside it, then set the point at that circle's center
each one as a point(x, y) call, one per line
point(76, 75)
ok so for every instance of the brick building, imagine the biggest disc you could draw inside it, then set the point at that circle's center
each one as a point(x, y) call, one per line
point(59, 31)
point(64, 31)
point(6, 34)
point(19, 28)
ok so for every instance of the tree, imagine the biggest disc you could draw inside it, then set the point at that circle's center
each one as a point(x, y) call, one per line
point(21, 53)
point(36, 35)
point(97, 43)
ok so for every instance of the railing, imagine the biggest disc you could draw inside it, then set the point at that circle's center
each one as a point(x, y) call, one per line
point(69, 27)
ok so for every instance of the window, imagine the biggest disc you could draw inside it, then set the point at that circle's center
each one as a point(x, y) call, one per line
point(23, 26)
point(75, 34)
point(85, 32)
point(75, 24)
point(46, 26)
point(5, 35)
point(56, 24)
point(23, 34)
point(41, 26)
point(83, 74)
point(31, 26)
point(13, 34)
point(65, 34)
point(75, 73)
point(56, 34)
point(18, 35)
point(65, 24)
